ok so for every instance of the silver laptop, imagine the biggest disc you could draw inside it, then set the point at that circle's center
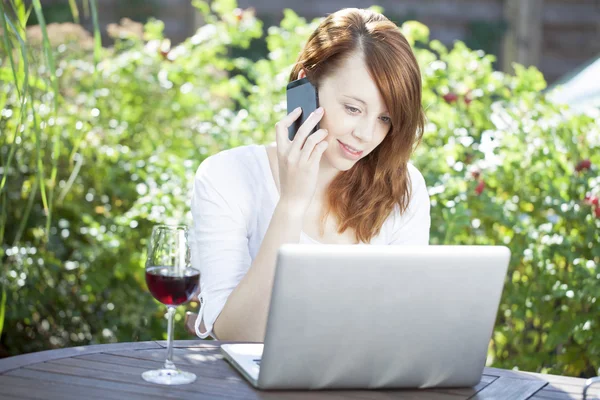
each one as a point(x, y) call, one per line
point(368, 317)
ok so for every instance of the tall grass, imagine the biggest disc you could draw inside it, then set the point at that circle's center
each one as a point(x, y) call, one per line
point(19, 55)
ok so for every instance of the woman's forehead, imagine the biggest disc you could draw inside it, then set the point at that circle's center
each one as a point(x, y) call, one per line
point(352, 78)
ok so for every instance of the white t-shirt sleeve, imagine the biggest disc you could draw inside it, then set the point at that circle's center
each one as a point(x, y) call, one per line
point(219, 242)
point(412, 227)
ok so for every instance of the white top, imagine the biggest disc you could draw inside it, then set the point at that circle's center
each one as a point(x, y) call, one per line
point(233, 201)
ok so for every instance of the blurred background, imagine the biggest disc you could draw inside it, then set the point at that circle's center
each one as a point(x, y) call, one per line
point(108, 107)
point(557, 36)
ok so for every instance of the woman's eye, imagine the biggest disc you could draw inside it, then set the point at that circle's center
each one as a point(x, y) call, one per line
point(352, 109)
point(387, 120)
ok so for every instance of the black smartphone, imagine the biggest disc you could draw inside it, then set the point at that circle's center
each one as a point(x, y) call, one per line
point(301, 93)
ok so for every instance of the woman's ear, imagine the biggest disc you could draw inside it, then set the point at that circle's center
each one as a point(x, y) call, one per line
point(301, 74)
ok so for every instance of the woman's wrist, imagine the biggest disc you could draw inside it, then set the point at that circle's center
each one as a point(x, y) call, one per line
point(290, 210)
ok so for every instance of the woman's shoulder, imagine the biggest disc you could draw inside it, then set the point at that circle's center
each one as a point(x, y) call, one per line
point(419, 197)
point(416, 179)
point(412, 225)
point(238, 162)
point(228, 159)
point(235, 170)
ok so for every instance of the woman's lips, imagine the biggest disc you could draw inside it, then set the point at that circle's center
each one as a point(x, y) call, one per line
point(348, 152)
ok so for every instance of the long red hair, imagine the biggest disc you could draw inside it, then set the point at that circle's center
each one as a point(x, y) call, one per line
point(362, 197)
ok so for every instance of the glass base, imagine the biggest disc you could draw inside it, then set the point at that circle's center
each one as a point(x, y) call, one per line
point(169, 377)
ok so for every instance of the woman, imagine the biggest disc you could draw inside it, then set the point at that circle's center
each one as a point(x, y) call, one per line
point(350, 182)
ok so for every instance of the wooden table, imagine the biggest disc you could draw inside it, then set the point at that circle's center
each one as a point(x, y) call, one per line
point(113, 372)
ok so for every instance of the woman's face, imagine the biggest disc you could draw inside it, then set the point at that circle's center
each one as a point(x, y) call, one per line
point(355, 114)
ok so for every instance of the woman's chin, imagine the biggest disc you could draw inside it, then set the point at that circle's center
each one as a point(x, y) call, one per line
point(339, 163)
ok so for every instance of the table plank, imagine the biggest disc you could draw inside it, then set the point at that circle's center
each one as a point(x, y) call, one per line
point(195, 343)
point(9, 363)
point(209, 386)
point(37, 393)
point(567, 391)
point(547, 395)
point(18, 388)
point(154, 359)
point(226, 389)
point(209, 360)
point(507, 373)
point(102, 366)
point(170, 392)
point(569, 380)
point(212, 347)
point(114, 372)
point(188, 359)
point(509, 388)
point(570, 385)
point(575, 386)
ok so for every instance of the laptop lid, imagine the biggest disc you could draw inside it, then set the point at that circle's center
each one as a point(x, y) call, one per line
point(344, 316)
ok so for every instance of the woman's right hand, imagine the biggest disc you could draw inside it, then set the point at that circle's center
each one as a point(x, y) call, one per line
point(299, 159)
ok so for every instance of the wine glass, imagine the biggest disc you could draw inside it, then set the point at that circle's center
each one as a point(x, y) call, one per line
point(172, 281)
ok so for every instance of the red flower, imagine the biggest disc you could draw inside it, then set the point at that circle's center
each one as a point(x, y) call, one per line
point(450, 98)
point(583, 164)
point(480, 187)
point(591, 200)
point(597, 211)
point(468, 100)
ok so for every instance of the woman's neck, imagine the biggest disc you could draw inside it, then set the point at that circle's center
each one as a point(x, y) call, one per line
point(327, 174)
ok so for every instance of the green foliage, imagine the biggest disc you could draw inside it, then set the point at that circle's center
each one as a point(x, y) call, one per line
point(499, 160)
point(501, 165)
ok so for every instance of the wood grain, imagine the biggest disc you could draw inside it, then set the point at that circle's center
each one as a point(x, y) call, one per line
point(114, 372)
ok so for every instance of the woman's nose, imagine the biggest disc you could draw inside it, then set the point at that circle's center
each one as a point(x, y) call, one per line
point(364, 131)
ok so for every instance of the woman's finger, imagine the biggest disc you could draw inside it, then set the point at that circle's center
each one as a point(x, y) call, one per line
point(310, 144)
point(281, 128)
point(304, 131)
point(317, 154)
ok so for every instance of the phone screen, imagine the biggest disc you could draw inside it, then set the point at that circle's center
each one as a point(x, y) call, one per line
point(301, 93)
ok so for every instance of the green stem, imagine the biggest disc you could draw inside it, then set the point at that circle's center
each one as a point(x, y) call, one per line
point(449, 230)
point(97, 37)
point(25, 216)
point(8, 47)
point(2, 305)
point(74, 11)
point(2, 221)
point(86, 8)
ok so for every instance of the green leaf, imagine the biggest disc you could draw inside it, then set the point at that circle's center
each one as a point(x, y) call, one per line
point(415, 31)
point(21, 13)
point(223, 7)
point(97, 36)
point(86, 8)
point(202, 7)
point(154, 29)
point(2, 308)
point(47, 50)
point(22, 94)
point(74, 10)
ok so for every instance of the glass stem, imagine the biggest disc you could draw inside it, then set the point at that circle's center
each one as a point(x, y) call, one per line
point(169, 363)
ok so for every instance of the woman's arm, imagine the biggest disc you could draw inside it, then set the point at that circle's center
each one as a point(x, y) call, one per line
point(412, 228)
point(244, 316)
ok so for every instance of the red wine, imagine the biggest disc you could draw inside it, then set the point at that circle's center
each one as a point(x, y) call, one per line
point(172, 288)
